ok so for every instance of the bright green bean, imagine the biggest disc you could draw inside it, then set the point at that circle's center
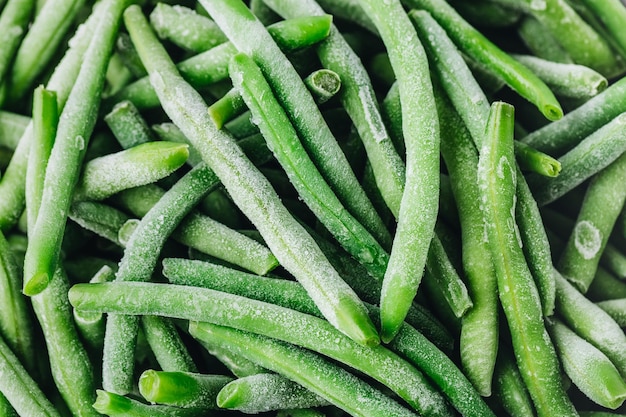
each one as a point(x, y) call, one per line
point(300, 107)
point(225, 109)
point(171, 133)
point(591, 155)
point(75, 126)
point(303, 174)
point(559, 137)
point(212, 66)
point(182, 389)
point(324, 84)
point(185, 28)
point(604, 201)
point(479, 48)
point(39, 45)
point(266, 392)
point(588, 368)
point(304, 367)
point(114, 405)
point(251, 191)
point(418, 207)
point(518, 294)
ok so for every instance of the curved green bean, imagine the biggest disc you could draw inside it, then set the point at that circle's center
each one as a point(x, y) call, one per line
point(519, 297)
point(418, 207)
point(292, 246)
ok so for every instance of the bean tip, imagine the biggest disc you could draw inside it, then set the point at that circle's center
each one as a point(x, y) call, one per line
point(36, 284)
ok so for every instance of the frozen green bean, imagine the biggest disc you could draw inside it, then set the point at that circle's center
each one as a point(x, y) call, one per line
point(127, 125)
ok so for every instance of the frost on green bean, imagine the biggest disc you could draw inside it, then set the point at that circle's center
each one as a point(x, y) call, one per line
point(127, 125)
point(292, 246)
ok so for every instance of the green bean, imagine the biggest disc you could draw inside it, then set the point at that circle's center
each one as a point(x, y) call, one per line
point(479, 48)
point(127, 125)
point(533, 160)
point(519, 297)
point(15, 320)
point(288, 294)
point(20, 389)
point(61, 81)
point(75, 126)
point(5, 407)
point(324, 84)
point(237, 364)
point(540, 41)
point(559, 137)
point(12, 127)
point(300, 107)
point(509, 388)
point(479, 329)
point(37, 49)
point(567, 80)
point(166, 344)
point(115, 405)
point(418, 207)
point(266, 392)
point(185, 28)
point(487, 13)
point(125, 49)
point(359, 100)
point(284, 324)
point(182, 389)
point(229, 106)
point(328, 381)
point(14, 21)
point(308, 181)
point(137, 264)
point(611, 14)
point(171, 133)
point(591, 323)
point(594, 153)
point(606, 286)
point(262, 11)
point(588, 368)
point(251, 191)
point(60, 334)
point(212, 66)
point(148, 163)
point(45, 121)
point(604, 200)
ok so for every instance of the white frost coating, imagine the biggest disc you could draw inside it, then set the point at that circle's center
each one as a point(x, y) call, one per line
point(587, 239)
point(538, 5)
point(372, 116)
point(502, 163)
point(80, 142)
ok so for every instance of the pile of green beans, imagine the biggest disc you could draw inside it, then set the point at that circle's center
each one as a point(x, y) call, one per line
point(313, 208)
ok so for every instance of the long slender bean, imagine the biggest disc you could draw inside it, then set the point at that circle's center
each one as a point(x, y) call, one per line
point(479, 329)
point(127, 125)
point(115, 405)
point(37, 49)
point(308, 181)
point(479, 48)
point(75, 126)
point(14, 20)
point(604, 201)
point(610, 13)
point(291, 92)
point(166, 344)
point(12, 185)
point(304, 367)
point(519, 297)
point(12, 126)
point(509, 388)
point(254, 196)
point(540, 41)
point(418, 207)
